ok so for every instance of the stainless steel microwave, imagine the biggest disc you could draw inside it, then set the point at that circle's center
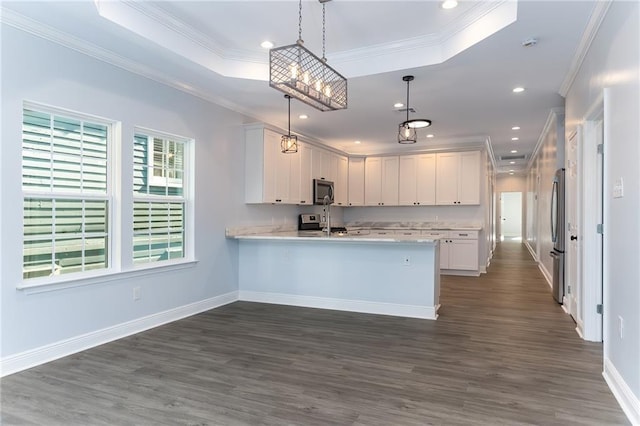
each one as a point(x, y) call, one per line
point(322, 188)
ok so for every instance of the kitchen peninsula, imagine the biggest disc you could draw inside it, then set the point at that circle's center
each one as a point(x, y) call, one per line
point(390, 275)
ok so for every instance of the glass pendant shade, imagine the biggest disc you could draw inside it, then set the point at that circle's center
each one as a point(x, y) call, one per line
point(289, 144)
point(406, 134)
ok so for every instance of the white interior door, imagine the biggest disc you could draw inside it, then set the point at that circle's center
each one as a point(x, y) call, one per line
point(573, 248)
point(511, 216)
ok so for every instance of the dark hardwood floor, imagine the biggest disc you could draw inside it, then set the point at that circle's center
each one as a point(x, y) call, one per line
point(501, 353)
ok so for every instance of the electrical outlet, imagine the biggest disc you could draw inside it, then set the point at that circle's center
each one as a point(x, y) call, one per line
point(406, 261)
point(136, 293)
point(620, 327)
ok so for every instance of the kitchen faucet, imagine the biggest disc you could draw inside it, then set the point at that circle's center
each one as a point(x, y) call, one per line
point(326, 206)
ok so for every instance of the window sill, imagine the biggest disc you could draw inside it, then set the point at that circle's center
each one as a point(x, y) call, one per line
point(103, 277)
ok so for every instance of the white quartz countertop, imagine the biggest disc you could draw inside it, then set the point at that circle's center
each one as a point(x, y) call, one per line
point(335, 237)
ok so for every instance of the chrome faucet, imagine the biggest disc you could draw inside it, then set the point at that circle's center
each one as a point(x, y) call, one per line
point(326, 206)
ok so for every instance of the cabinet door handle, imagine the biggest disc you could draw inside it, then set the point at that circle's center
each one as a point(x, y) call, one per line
point(278, 201)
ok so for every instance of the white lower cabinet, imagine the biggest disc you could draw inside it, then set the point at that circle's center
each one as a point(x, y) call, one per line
point(382, 232)
point(458, 249)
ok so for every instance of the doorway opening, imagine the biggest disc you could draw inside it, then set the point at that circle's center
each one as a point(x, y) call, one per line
point(511, 216)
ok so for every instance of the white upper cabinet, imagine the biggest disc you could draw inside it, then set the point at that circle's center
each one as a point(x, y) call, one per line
point(381, 181)
point(268, 172)
point(458, 178)
point(306, 181)
point(448, 178)
point(390, 170)
point(417, 180)
point(372, 181)
point(321, 164)
point(342, 181)
point(356, 181)
point(469, 189)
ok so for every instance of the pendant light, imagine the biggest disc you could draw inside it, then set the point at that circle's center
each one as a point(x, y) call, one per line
point(288, 142)
point(295, 70)
point(407, 129)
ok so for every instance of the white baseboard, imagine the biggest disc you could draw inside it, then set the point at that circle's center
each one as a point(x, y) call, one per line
point(547, 275)
point(380, 308)
point(31, 358)
point(531, 250)
point(459, 273)
point(629, 402)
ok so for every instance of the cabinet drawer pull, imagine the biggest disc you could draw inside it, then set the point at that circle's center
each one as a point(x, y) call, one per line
point(463, 235)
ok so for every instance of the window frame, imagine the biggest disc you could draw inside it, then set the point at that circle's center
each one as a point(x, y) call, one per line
point(120, 207)
point(58, 194)
point(186, 197)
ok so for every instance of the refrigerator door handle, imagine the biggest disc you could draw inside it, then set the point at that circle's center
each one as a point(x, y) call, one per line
point(554, 209)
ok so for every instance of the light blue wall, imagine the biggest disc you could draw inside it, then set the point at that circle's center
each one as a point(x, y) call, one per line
point(613, 63)
point(37, 70)
point(363, 272)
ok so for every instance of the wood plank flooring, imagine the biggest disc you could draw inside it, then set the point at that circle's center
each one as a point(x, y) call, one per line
point(501, 353)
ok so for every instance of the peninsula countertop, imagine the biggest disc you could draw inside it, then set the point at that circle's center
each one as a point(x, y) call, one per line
point(337, 237)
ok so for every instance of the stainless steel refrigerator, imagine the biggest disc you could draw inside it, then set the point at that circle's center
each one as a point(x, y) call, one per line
point(558, 234)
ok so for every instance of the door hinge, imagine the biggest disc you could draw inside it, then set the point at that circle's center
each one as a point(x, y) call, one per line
point(599, 228)
point(599, 308)
point(568, 289)
point(600, 148)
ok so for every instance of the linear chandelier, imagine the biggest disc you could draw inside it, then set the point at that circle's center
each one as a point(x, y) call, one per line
point(296, 71)
point(407, 129)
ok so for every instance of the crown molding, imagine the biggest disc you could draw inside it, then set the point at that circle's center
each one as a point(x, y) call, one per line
point(554, 113)
point(597, 16)
point(38, 29)
point(479, 22)
point(153, 23)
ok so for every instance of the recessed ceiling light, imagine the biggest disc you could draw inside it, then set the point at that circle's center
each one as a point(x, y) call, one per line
point(357, 142)
point(449, 4)
point(512, 162)
point(512, 170)
point(398, 105)
point(266, 44)
point(513, 151)
point(510, 173)
point(303, 116)
point(518, 90)
point(515, 139)
point(515, 128)
point(430, 135)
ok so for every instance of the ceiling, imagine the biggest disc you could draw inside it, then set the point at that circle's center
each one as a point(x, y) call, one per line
point(466, 61)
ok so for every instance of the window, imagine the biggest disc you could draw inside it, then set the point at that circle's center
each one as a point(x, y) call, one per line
point(159, 202)
point(66, 190)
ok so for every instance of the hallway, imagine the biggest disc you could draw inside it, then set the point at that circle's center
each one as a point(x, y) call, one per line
point(502, 352)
